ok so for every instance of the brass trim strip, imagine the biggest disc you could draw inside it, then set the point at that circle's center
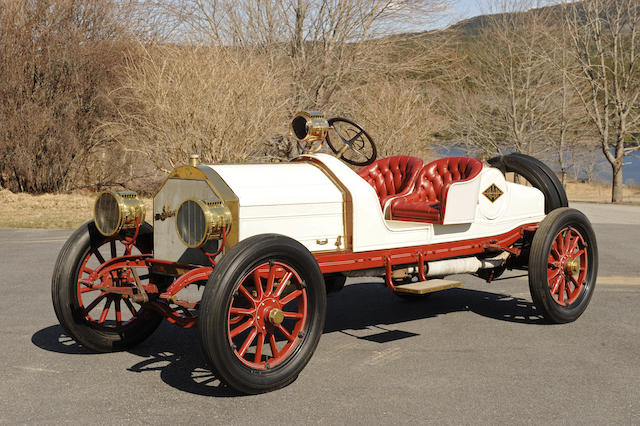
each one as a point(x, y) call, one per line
point(226, 194)
point(347, 200)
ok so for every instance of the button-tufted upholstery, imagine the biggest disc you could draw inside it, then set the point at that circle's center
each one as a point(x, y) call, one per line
point(392, 176)
point(427, 200)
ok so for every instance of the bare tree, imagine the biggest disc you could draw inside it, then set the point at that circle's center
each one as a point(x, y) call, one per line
point(571, 131)
point(242, 68)
point(604, 44)
point(325, 43)
point(401, 115)
point(505, 97)
point(218, 102)
point(57, 58)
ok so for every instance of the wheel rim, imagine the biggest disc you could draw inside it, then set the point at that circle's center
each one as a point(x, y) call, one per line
point(267, 315)
point(106, 311)
point(567, 266)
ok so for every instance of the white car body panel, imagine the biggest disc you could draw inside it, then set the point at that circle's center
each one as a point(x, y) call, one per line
point(462, 200)
point(306, 200)
point(294, 199)
point(372, 232)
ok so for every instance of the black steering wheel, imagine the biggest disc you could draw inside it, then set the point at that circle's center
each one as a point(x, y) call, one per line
point(351, 142)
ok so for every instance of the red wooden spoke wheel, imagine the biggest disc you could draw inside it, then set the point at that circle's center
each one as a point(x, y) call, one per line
point(262, 313)
point(563, 265)
point(99, 321)
point(567, 266)
point(107, 311)
point(267, 315)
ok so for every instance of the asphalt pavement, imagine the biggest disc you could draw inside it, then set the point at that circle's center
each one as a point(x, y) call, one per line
point(474, 354)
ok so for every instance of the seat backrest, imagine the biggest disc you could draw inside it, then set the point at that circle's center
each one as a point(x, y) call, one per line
point(437, 174)
point(392, 175)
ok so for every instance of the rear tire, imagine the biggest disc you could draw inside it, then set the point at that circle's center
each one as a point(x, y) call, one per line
point(563, 265)
point(538, 174)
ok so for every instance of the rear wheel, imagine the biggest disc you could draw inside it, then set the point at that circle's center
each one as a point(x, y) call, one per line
point(563, 265)
point(262, 313)
point(538, 174)
point(100, 321)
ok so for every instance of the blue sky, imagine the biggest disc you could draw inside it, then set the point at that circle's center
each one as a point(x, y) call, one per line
point(457, 11)
point(463, 9)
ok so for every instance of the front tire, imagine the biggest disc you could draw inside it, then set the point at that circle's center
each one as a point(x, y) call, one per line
point(100, 322)
point(563, 265)
point(262, 313)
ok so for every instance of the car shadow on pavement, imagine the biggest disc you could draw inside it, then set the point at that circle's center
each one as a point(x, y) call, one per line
point(175, 354)
point(363, 305)
point(171, 351)
point(55, 339)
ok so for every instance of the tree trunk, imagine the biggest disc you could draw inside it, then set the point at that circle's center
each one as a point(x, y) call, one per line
point(297, 36)
point(616, 187)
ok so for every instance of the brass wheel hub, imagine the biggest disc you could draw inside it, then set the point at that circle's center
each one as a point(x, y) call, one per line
point(276, 316)
point(573, 266)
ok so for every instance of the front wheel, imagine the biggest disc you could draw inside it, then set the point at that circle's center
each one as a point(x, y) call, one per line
point(563, 265)
point(99, 321)
point(262, 313)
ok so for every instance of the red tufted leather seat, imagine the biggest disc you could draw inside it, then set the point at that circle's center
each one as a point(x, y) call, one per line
point(392, 176)
point(427, 201)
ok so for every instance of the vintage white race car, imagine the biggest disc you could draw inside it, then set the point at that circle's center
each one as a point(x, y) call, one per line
point(269, 241)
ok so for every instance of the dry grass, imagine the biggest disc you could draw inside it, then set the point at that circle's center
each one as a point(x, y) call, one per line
point(600, 192)
point(48, 211)
point(68, 211)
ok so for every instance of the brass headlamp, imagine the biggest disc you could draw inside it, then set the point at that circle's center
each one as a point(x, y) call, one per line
point(309, 127)
point(114, 211)
point(198, 221)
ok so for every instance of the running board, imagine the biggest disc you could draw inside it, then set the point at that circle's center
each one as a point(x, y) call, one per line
point(423, 287)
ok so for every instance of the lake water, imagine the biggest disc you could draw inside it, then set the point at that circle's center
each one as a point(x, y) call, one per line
point(595, 161)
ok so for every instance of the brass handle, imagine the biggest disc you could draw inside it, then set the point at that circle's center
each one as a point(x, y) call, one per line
point(322, 242)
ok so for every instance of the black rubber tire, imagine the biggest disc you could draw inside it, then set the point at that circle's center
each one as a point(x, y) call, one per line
point(65, 300)
point(541, 245)
point(333, 283)
point(216, 299)
point(564, 200)
point(538, 174)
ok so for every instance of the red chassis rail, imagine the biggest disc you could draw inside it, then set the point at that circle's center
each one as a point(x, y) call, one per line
point(330, 262)
point(109, 276)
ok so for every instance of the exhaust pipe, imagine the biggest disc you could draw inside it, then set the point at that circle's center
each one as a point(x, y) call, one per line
point(439, 268)
point(467, 265)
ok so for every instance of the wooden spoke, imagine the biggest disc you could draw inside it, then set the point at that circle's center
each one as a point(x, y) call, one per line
point(105, 311)
point(260, 343)
point(239, 329)
point(293, 295)
point(250, 338)
point(283, 283)
point(94, 303)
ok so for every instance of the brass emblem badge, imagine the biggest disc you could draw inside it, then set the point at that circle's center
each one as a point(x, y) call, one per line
point(492, 192)
point(166, 213)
